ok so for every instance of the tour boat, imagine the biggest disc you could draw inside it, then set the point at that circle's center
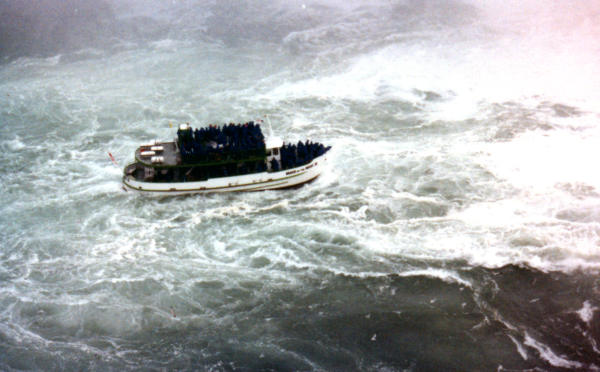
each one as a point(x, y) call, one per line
point(233, 157)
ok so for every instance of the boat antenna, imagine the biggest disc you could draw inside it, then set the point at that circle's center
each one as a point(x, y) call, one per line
point(270, 127)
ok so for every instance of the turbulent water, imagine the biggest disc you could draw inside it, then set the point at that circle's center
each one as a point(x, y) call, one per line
point(457, 226)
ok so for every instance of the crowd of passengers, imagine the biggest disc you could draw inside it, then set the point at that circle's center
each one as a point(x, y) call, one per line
point(216, 143)
point(296, 155)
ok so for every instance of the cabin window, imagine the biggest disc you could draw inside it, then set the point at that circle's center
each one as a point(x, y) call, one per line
point(275, 152)
point(269, 153)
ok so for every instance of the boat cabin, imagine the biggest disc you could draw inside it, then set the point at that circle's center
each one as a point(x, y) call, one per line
point(214, 152)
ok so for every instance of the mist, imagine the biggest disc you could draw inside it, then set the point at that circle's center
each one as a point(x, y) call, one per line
point(455, 226)
point(48, 27)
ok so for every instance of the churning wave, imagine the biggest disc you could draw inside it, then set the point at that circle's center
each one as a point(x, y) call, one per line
point(456, 227)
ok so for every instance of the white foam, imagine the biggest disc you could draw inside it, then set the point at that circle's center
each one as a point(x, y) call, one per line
point(542, 222)
point(587, 312)
point(538, 160)
point(520, 349)
point(547, 354)
point(445, 275)
point(15, 144)
point(169, 45)
point(37, 62)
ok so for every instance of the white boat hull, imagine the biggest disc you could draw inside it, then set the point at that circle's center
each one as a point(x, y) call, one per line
point(249, 182)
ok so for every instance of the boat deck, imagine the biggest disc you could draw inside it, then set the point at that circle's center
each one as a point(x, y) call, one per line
point(169, 153)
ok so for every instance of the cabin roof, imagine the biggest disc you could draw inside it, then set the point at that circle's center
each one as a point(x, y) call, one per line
point(273, 142)
point(169, 153)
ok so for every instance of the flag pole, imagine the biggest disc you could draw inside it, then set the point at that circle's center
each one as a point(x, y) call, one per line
point(113, 159)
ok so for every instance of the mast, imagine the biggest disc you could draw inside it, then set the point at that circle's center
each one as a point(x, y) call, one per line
point(270, 127)
point(272, 141)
